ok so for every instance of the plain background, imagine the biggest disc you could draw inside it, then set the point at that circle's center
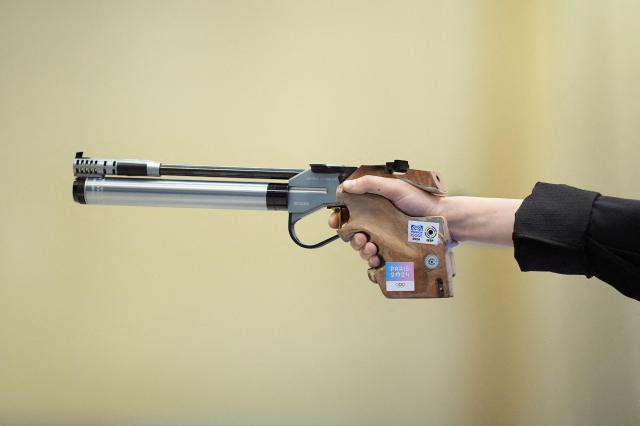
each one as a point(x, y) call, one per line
point(117, 314)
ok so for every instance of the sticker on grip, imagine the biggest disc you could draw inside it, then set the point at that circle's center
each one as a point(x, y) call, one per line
point(423, 232)
point(399, 276)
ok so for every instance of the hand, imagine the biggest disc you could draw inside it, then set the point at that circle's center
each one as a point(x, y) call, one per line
point(411, 200)
point(484, 220)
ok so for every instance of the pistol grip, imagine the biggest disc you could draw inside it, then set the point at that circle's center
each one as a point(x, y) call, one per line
point(416, 261)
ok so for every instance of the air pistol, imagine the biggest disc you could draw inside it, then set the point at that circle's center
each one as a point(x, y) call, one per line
point(417, 261)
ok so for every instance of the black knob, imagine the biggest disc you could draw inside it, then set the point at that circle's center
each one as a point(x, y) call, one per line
point(398, 166)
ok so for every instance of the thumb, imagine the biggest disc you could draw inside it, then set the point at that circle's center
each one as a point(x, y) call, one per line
point(392, 189)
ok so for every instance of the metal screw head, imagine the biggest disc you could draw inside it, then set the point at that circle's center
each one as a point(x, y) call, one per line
point(431, 261)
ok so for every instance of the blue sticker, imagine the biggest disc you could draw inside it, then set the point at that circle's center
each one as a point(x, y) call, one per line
point(399, 276)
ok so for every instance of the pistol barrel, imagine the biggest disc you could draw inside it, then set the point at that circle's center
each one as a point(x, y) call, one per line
point(181, 193)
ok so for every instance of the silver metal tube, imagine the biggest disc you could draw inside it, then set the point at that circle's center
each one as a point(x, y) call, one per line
point(176, 193)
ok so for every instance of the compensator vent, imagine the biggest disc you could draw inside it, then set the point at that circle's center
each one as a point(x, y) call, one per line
point(84, 167)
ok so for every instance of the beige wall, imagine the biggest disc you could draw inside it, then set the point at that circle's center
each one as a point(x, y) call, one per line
point(130, 313)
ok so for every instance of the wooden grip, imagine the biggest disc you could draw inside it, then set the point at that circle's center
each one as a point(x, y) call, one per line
point(416, 259)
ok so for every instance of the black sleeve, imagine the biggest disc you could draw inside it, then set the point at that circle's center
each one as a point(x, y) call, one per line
point(568, 230)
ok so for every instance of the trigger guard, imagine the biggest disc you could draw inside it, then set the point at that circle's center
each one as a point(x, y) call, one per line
point(295, 239)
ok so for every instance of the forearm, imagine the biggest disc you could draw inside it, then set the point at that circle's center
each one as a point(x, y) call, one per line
point(484, 220)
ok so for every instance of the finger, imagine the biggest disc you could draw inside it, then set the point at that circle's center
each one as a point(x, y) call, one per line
point(334, 220)
point(374, 261)
point(363, 256)
point(358, 241)
point(369, 250)
point(393, 189)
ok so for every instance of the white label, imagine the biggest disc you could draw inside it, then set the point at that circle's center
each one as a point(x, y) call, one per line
point(423, 232)
point(401, 286)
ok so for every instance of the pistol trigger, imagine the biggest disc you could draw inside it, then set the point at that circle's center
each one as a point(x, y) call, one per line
point(337, 212)
point(343, 215)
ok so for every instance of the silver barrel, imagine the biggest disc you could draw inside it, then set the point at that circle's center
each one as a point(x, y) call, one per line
point(174, 193)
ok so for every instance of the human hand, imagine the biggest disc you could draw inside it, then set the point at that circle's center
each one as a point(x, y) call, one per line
point(406, 197)
point(484, 220)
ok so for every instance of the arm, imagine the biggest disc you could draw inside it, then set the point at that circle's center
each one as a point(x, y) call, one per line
point(483, 220)
point(557, 228)
point(568, 230)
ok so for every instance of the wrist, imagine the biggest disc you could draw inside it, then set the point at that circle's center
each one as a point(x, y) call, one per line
point(485, 220)
point(457, 216)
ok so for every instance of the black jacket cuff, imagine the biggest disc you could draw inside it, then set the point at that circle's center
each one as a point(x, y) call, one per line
point(550, 229)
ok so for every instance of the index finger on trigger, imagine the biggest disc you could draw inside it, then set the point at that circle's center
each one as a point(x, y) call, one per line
point(334, 220)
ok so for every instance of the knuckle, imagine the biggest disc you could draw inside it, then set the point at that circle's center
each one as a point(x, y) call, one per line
point(369, 182)
point(364, 179)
